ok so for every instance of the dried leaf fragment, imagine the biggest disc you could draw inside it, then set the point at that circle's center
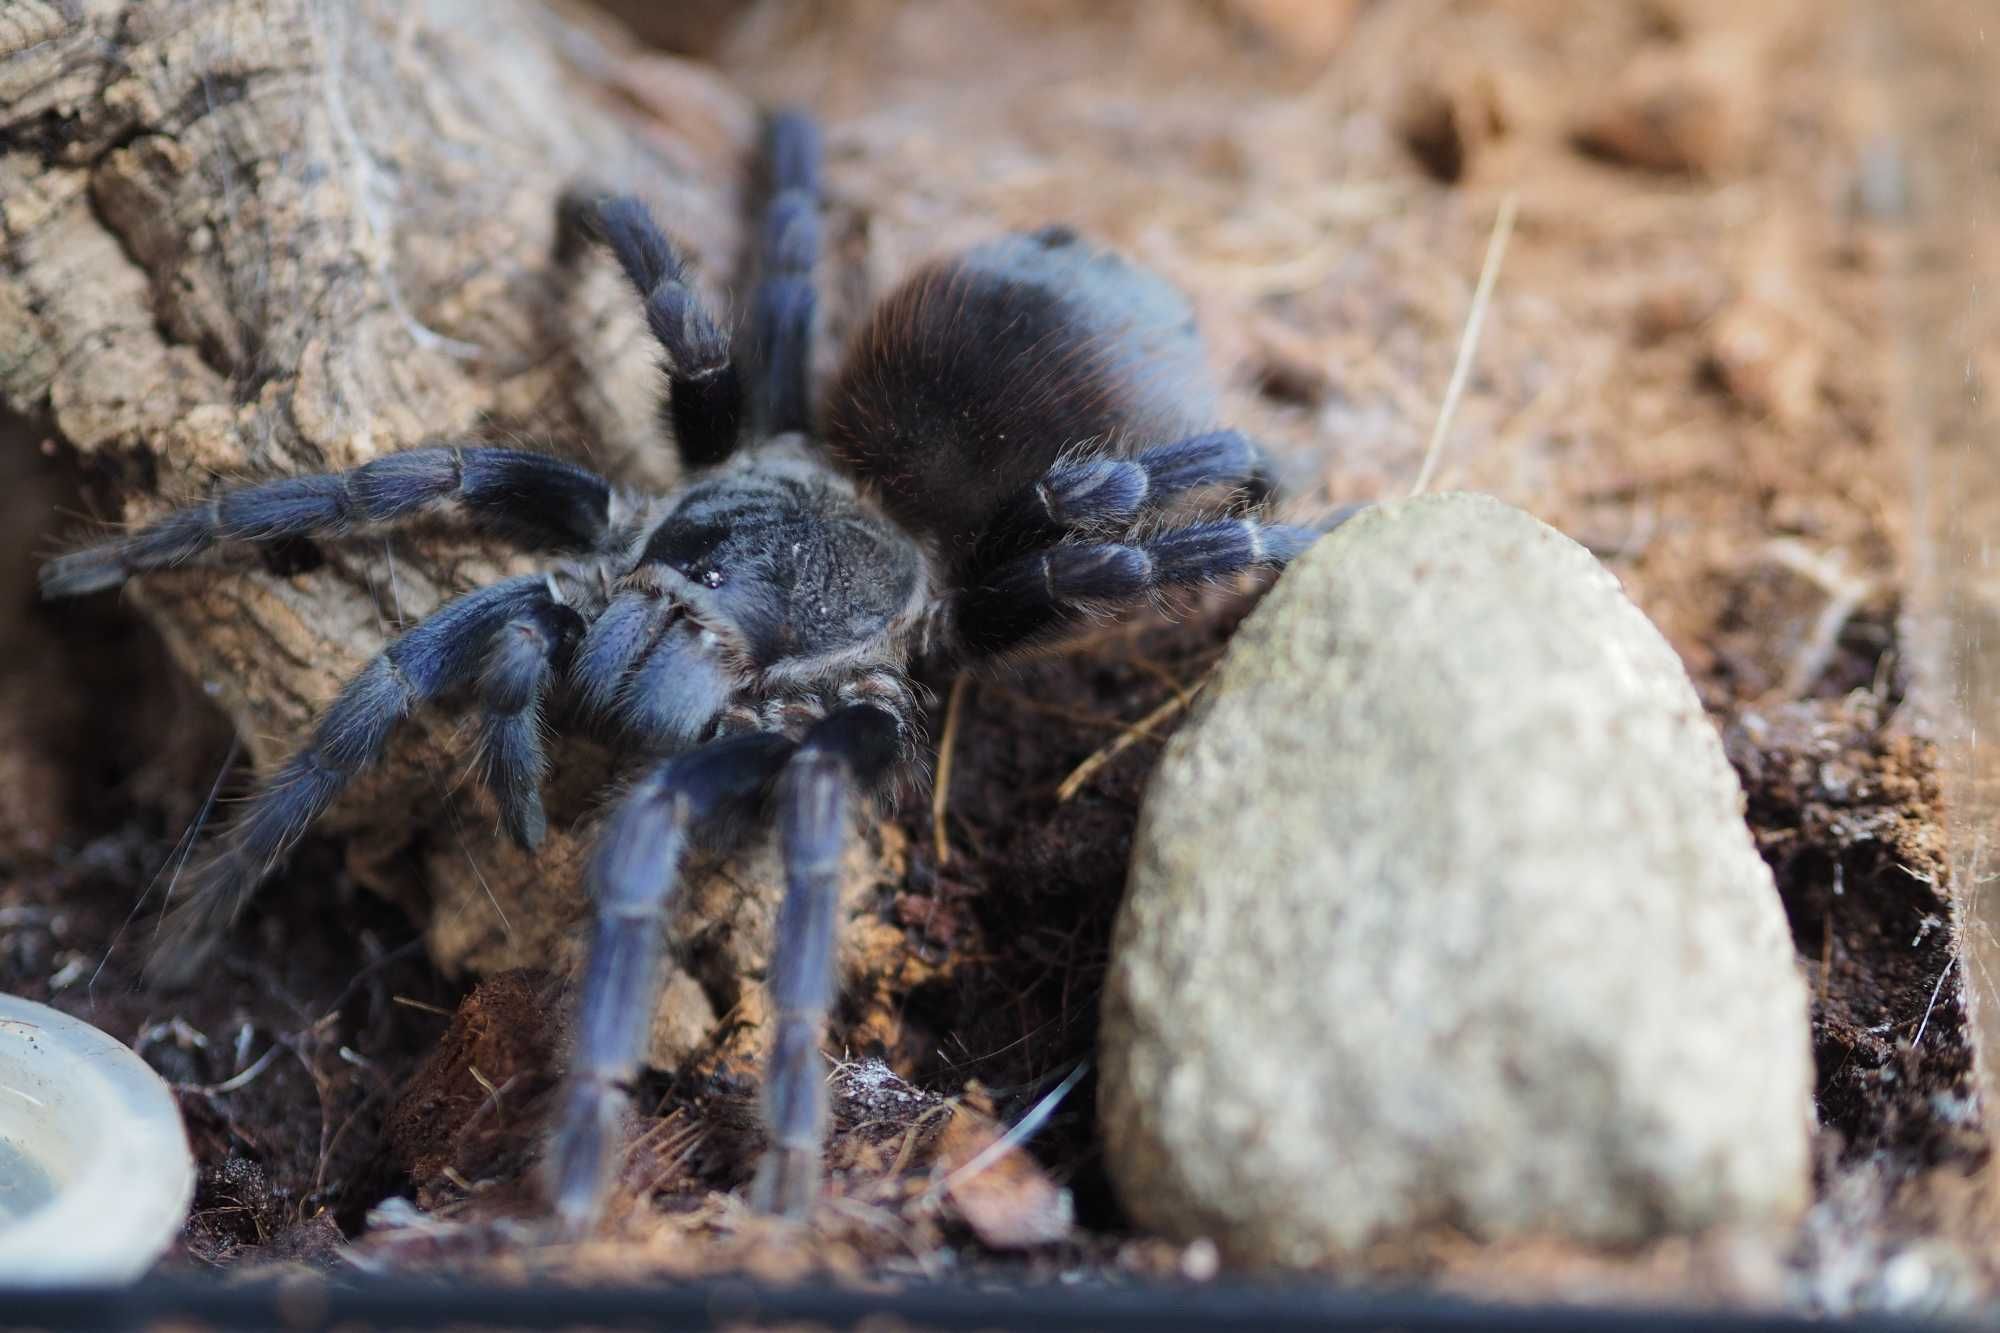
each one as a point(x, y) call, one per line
point(1009, 1201)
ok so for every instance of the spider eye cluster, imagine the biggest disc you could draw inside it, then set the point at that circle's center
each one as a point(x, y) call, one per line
point(795, 567)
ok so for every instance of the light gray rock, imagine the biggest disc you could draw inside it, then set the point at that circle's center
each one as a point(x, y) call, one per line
point(1443, 911)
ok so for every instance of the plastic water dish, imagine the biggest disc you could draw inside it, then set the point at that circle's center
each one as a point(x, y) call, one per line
point(95, 1173)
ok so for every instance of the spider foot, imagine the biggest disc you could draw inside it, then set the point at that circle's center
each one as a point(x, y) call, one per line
point(787, 1183)
point(582, 1154)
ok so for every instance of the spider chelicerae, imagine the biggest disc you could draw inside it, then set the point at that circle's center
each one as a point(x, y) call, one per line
point(1009, 448)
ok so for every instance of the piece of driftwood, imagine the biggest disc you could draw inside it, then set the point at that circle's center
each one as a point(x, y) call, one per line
point(250, 238)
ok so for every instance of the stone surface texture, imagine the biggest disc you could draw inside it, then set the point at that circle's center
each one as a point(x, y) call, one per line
point(1443, 913)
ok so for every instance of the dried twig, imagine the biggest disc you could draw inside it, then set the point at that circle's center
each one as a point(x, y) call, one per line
point(1935, 992)
point(241, 1080)
point(941, 788)
point(1468, 342)
point(1021, 1131)
point(1143, 729)
point(1083, 718)
point(1845, 596)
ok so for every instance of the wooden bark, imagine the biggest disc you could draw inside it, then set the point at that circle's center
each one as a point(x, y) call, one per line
point(250, 238)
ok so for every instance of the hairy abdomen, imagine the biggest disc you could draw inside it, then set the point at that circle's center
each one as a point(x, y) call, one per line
point(977, 373)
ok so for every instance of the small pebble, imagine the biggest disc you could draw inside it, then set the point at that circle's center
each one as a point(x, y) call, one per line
point(1690, 109)
point(1767, 360)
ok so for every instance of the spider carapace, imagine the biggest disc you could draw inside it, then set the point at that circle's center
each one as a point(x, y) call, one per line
point(1015, 442)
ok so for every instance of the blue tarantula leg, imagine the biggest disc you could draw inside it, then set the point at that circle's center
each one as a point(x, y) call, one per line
point(1203, 551)
point(440, 653)
point(633, 874)
point(536, 500)
point(526, 655)
point(704, 391)
point(618, 639)
point(1217, 458)
point(644, 672)
point(1109, 491)
point(1038, 594)
point(782, 308)
point(853, 747)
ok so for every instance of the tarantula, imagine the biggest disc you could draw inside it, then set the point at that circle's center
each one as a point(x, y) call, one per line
point(997, 459)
